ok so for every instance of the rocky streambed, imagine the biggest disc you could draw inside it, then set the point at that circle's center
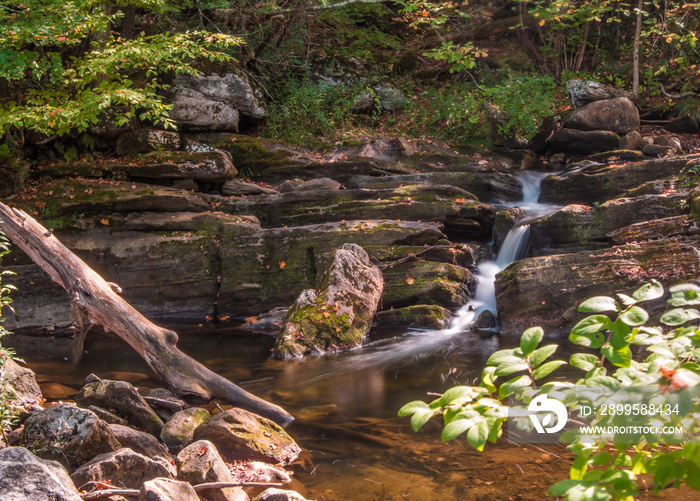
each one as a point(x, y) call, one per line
point(216, 228)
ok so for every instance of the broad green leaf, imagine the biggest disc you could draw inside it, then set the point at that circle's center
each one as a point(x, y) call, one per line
point(460, 424)
point(647, 292)
point(634, 316)
point(541, 354)
point(420, 418)
point(621, 357)
point(547, 369)
point(626, 300)
point(461, 393)
point(600, 459)
point(662, 349)
point(510, 365)
point(573, 489)
point(608, 381)
point(513, 385)
point(599, 304)
point(530, 339)
point(413, 407)
point(594, 340)
point(679, 316)
point(584, 361)
point(499, 355)
point(478, 434)
point(684, 295)
point(591, 325)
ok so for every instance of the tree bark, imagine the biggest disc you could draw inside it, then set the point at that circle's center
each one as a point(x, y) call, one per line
point(94, 298)
point(635, 54)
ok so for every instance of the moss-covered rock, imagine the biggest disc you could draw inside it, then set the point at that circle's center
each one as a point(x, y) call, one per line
point(504, 222)
point(420, 316)
point(602, 183)
point(340, 314)
point(178, 431)
point(242, 435)
point(547, 290)
point(426, 282)
point(147, 140)
point(658, 229)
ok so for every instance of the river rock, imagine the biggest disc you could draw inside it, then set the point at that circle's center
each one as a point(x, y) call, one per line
point(584, 141)
point(340, 314)
point(381, 98)
point(504, 221)
point(23, 477)
point(240, 188)
point(256, 471)
point(421, 316)
point(583, 92)
point(146, 141)
point(274, 494)
point(163, 402)
point(167, 489)
point(201, 463)
point(618, 115)
point(20, 381)
point(139, 442)
point(426, 282)
point(547, 290)
point(126, 401)
point(579, 227)
point(242, 435)
point(179, 429)
point(123, 468)
point(68, 434)
point(602, 183)
point(632, 141)
point(657, 150)
point(210, 167)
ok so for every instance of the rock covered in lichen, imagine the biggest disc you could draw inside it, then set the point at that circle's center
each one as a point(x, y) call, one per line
point(179, 429)
point(340, 313)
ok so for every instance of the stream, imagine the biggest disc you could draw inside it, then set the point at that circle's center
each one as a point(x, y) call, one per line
point(346, 404)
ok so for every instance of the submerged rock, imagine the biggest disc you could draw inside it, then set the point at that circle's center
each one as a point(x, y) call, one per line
point(340, 314)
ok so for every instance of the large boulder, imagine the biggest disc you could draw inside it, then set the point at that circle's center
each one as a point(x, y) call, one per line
point(215, 102)
point(146, 140)
point(618, 115)
point(242, 435)
point(20, 381)
point(140, 442)
point(179, 429)
point(547, 290)
point(340, 314)
point(583, 92)
point(124, 399)
point(23, 477)
point(167, 489)
point(426, 282)
point(421, 316)
point(124, 468)
point(68, 434)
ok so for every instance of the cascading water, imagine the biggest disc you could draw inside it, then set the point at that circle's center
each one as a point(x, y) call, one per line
point(513, 248)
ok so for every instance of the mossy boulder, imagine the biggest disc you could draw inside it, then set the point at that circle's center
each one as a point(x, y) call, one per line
point(178, 431)
point(242, 435)
point(146, 141)
point(426, 282)
point(658, 229)
point(547, 290)
point(601, 183)
point(504, 221)
point(420, 316)
point(340, 314)
point(209, 166)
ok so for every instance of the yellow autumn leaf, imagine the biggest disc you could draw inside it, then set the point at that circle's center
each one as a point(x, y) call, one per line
point(326, 314)
point(410, 280)
point(282, 264)
point(541, 22)
point(105, 221)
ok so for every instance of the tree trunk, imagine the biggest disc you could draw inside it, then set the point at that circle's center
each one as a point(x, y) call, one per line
point(635, 56)
point(97, 303)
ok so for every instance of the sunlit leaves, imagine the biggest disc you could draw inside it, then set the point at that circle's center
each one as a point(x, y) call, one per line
point(598, 304)
point(530, 339)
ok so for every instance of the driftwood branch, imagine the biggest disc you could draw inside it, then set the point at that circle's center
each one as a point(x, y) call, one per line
point(677, 96)
point(99, 304)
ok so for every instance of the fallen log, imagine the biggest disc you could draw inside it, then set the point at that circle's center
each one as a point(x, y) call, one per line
point(97, 303)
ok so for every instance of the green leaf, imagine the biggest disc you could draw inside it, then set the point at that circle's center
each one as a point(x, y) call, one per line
point(530, 339)
point(500, 355)
point(511, 365)
point(591, 325)
point(541, 354)
point(460, 424)
point(599, 304)
point(679, 316)
point(621, 357)
point(478, 434)
point(413, 407)
point(647, 292)
point(459, 393)
point(513, 385)
point(626, 300)
point(634, 316)
point(584, 361)
point(600, 459)
point(684, 295)
point(594, 340)
point(420, 418)
point(547, 369)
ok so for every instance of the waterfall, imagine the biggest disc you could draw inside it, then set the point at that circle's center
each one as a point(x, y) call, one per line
point(513, 248)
